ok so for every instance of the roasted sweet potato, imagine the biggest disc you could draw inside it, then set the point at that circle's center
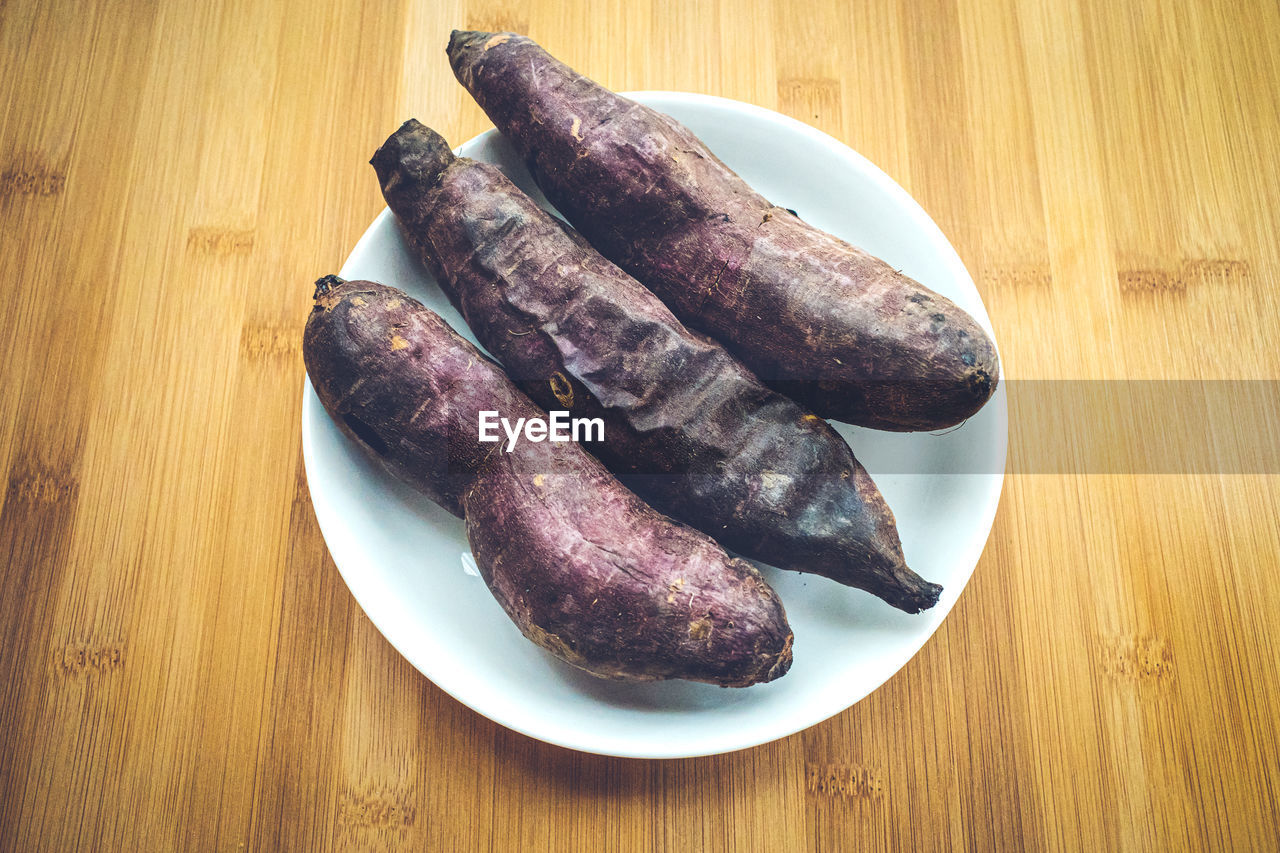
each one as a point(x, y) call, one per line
point(823, 321)
point(585, 568)
point(687, 426)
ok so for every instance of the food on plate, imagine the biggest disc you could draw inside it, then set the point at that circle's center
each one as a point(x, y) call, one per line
point(834, 327)
point(685, 423)
point(582, 566)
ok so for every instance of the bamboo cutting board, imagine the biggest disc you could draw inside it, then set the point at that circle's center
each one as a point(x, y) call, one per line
point(181, 666)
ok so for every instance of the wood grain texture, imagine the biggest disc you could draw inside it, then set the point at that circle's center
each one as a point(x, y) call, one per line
point(181, 666)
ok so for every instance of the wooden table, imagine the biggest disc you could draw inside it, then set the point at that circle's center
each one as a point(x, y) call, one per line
point(182, 667)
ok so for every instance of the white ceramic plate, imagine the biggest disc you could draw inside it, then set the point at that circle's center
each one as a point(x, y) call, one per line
point(405, 559)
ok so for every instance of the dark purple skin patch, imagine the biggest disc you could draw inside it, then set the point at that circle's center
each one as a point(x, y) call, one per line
point(823, 321)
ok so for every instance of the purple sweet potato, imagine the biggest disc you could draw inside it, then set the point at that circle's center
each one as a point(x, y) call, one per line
point(823, 321)
point(585, 568)
point(686, 425)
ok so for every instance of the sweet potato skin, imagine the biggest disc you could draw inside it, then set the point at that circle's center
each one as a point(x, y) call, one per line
point(687, 426)
point(832, 326)
point(402, 384)
point(582, 566)
point(642, 602)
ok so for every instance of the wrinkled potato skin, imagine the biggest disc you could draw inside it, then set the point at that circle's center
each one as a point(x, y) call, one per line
point(687, 426)
point(582, 566)
point(379, 359)
point(832, 326)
